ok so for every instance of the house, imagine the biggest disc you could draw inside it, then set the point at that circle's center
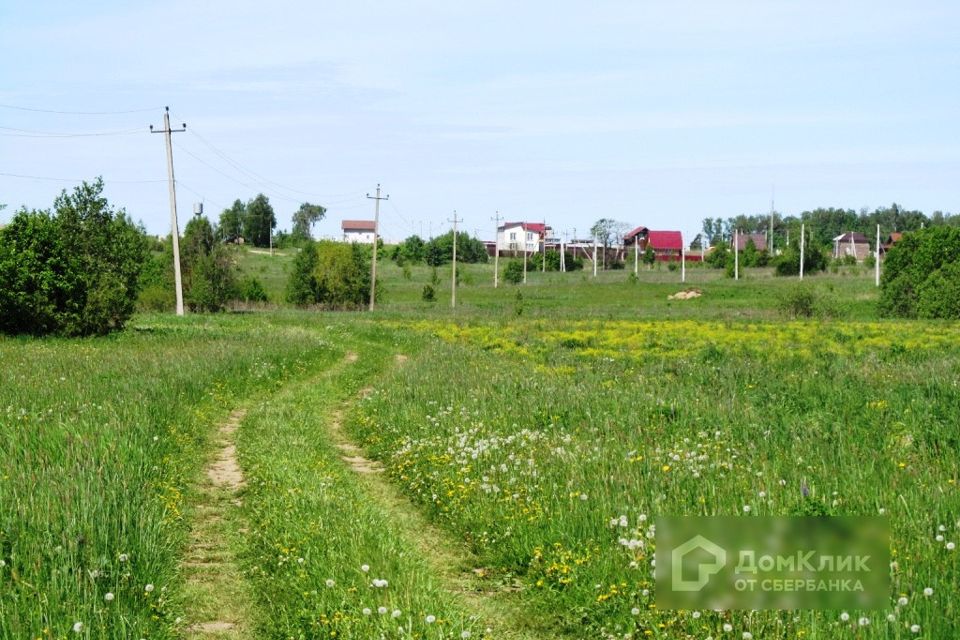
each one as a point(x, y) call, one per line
point(635, 236)
point(666, 245)
point(361, 231)
point(743, 240)
point(891, 240)
point(513, 237)
point(852, 243)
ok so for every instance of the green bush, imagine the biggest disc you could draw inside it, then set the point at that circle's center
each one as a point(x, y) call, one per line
point(798, 302)
point(922, 262)
point(788, 263)
point(428, 294)
point(513, 272)
point(74, 271)
point(333, 274)
point(251, 290)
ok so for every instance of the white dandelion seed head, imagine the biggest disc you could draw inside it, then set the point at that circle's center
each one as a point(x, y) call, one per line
point(747, 635)
point(864, 621)
point(382, 610)
point(941, 528)
point(891, 617)
point(395, 614)
point(148, 588)
point(902, 601)
point(914, 628)
point(364, 568)
point(635, 611)
point(928, 591)
point(431, 619)
point(951, 546)
point(695, 614)
point(762, 494)
point(939, 537)
point(123, 557)
point(583, 496)
point(727, 627)
point(77, 627)
point(465, 634)
point(108, 597)
point(300, 560)
point(367, 611)
point(844, 617)
point(746, 508)
point(330, 582)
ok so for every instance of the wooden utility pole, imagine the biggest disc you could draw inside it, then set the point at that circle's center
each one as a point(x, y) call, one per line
point(174, 229)
point(594, 256)
point(736, 254)
point(496, 248)
point(544, 268)
point(876, 259)
point(453, 280)
point(683, 265)
point(376, 228)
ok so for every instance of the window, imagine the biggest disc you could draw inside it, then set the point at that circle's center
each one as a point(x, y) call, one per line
point(529, 236)
point(513, 235)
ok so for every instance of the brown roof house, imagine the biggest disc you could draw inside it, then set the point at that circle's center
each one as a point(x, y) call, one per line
point(852, 243)
point(358, 231)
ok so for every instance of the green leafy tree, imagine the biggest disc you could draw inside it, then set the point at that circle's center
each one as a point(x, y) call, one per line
point(259, 221)
point(513, 273)
point(333, 274)
point(918, 274)
point(413, 249)
point(74, 271)
point(607, 231)
point(302, 284)
point(469, 250)
point(649, 256)
point(231, 222)
point(209, 278)
point(304, 218)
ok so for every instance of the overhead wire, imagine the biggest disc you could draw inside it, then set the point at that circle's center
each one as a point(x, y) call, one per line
point(78, 113)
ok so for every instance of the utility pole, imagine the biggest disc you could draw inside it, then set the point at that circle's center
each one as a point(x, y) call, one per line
point(496, 248)
point(770, 237)
point(563, 253)
point(876, 258)
point(683, 265)
point(802, 242)
point(174, 229)
point(636, 254)
point(736, 254)
point(544, 267)
point(594, 256)
point(376, 228)
point(453, 280)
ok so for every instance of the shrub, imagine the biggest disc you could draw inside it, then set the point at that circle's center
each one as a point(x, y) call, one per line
point(939, 295)
point(74, 271)
point(788, 263)
point(919, 257)
point(302, 284)
point(428, 294)
point(251, 290)
point(334, 274)
point(513, 273)
point(798, 302)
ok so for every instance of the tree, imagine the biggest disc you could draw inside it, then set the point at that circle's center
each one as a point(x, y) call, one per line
point(231, 222)
point(259, 221)
point(74, 271)
point(469, 250)
point(304, 218)
point(209, 281)
point(413, 249)
point(608, 231)
point(302, 284)
point(334, 274)
point(919, 274)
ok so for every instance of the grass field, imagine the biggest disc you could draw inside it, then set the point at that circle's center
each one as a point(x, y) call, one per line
point(490, 471)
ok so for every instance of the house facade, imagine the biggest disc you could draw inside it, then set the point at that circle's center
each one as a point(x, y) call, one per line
point(666, 245)
point(516, 237)
point(361, 231)
point(743, 240)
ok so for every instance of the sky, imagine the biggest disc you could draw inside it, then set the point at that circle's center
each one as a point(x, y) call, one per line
point(652, 113)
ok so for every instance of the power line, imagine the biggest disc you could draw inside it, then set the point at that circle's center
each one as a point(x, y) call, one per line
point(77, 113)
point(51, 179)
point(27, 133)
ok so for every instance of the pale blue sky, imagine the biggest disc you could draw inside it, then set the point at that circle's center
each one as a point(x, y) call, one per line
point(652, 113)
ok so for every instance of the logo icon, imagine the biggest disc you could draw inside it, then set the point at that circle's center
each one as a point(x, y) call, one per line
point(705, 570)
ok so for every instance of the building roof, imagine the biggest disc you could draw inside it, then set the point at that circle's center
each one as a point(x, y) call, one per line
point(639, 231)
point(358, 225)
point(535, 227)
point(858, 238)
point(665, 240)
point(759, 240)
point(894, 237)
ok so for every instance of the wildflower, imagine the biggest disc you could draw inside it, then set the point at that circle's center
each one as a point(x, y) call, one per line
point(2, 564)
point(300, 560)
point(928, 592)
point(746, 508)
point(431, 619)
point(844, 617)
point(864, 621)
point(465, 634)
point(395, 614)
point(939, 537)
point(77, 627)
point(891, 617)
point(108, 597)
point(364, 568)
point(148, 588)
point(583, 497)
point(124, 557)
point(747, 635)
point(330, 582)
point(915, 628)
point(727, 627)
point(367, 611)
point(951, 546)
point(762, 494)
point(635, 611)
point(695, 614)
point(381, 610)
point(902, 601)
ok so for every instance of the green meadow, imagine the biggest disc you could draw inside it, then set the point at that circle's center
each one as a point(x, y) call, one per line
point(490, 471)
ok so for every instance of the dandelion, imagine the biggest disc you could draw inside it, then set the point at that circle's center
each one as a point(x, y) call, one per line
point(928, 592)
point(124, 557)
point(939, 537)
point(914, 628)
point(300, 560)
point(2, 564)
point(77, 627)
point(902, 601)
point(367, 611)
point(148, 588)
point(695, 614)
point(465, 634)
point(891, 617)
point(431, 619)
point(108, 597)
point(727, 627)
point(864, 621)
point(951, 546)
point(746, 508)
point(583, 497)
point(364, 568)
point(762, 494)
point(395, 614)
point(382, 610)
point(844, 617)
point(747, 635)
point(635, 611)
point(330, 582)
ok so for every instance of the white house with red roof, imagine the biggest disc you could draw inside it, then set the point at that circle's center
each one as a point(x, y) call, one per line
point(358, 231)
point(521, 236)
